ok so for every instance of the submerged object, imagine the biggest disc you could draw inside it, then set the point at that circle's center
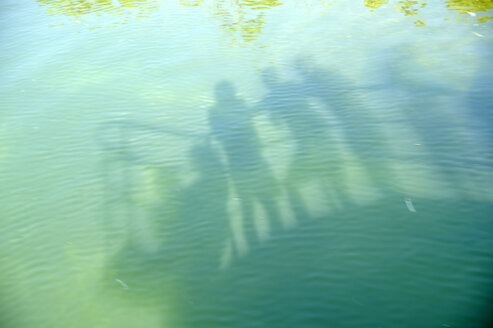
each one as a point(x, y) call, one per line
point(123, 284)
point(410, 205)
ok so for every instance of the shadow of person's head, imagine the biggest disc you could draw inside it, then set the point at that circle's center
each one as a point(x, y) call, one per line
point(270, 77)
point(225, 91)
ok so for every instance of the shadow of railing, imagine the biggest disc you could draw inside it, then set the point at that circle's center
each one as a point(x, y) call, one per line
point(201, 212)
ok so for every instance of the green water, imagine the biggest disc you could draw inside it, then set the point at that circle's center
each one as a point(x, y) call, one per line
point(246, 164)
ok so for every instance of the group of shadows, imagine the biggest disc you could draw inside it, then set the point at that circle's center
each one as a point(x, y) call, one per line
point(217, 265)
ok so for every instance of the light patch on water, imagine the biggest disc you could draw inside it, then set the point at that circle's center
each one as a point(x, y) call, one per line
point(286, 213)
point(261, 222)
point(421, 180)
point(277, 148)
point(126, 312)
point(146, 190)
point(237, 226)
point(226, 256)
point(313, 196)
point(358, 186)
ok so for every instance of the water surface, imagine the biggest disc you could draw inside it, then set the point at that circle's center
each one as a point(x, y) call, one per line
point(246, 164)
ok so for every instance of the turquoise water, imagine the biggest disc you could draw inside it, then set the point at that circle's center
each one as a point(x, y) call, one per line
point(245, 164)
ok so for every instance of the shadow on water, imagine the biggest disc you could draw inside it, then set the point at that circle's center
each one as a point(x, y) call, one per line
point(182, 234)
point(210, 247)
point(479, 105)
point(446, 128)
point(287, 107)
point(359, 128)
point(252, 181)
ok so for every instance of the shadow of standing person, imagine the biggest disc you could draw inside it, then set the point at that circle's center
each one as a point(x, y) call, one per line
point(253, 183)
point(313, 164)
point(204, 205)
point(360, 130)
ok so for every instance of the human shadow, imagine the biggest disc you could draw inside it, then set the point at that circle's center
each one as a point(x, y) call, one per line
point(431, 111)
point(196, 224)
point(454, 123)
point(195, 275)
point(313, 160)
point(209, 267)
point(254, 186)
point(164, 234)
point(359, 129)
